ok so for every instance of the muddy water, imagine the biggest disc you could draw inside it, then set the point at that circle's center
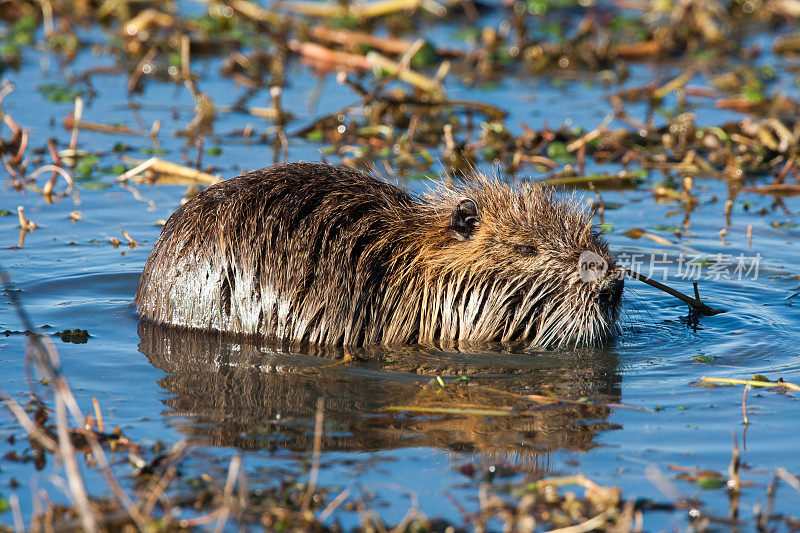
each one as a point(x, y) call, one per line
point(225, 395)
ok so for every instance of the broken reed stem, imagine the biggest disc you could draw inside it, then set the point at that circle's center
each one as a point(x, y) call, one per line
point(16, 511)
point(420, 81)
point(788, 478)
point(51, 147)
point(62, 390)
point(161, 166)
point(402, 66)
point(673, 85)
point(744, 405)
point(198, 161)
point(752, 383)
point(57, 171)
point(21, 136)
point(186, 70)
point(133, 81)
point(36, 434)
point(412, 512)
point(65, 447)
point(73, 141)
point(322, 54)
point(275, 96)
point(227, 493)
point(579, 479)
point(98, 415)
point(764, 518)
point(592, 135)
point(5, 89)
point(174, 457)
point(734, 480)
point(50, 362)
point(694, 303)
point(357, 10)
point(588, 525)
point(130, 239)
point(314, 474)
point(256, 12)
point(344, 37)
point(24, 223)
point(138, 169)
point(47, 16)
point(112, 129)
point(331, 507)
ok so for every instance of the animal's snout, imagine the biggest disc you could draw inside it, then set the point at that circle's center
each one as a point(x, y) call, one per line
point(611, 288)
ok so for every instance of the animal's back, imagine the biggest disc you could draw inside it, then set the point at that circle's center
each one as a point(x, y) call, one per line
point(293, 252)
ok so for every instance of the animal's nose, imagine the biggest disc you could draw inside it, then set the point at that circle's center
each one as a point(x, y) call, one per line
point(611, 288)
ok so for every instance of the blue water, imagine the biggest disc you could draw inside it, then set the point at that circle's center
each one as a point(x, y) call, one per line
point(228, 398)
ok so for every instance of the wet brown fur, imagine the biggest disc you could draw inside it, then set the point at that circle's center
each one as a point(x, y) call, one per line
point(316, 253)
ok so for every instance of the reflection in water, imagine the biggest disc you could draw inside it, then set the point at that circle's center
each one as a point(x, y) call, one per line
point(249, 395)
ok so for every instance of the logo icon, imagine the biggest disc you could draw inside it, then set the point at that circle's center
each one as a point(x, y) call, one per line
point(591, 267)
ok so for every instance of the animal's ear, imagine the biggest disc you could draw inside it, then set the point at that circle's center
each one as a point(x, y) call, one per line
point(464, 219)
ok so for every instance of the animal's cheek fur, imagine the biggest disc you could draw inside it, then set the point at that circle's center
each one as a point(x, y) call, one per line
point(502, 260)
point(549, 266)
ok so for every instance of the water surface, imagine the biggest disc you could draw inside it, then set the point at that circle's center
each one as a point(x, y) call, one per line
point(225, 396)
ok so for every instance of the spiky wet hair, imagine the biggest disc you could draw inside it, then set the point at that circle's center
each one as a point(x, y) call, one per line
point(323, 254)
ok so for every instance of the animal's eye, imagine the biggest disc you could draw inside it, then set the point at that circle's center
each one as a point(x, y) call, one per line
point(525, 249)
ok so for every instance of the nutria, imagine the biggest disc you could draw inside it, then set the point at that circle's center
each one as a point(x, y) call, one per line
point(315, 253)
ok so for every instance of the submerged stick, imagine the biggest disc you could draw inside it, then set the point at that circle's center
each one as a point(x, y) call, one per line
point(694, 303)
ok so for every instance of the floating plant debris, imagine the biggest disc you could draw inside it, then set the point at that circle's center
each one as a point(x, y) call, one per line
point(686, 98)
